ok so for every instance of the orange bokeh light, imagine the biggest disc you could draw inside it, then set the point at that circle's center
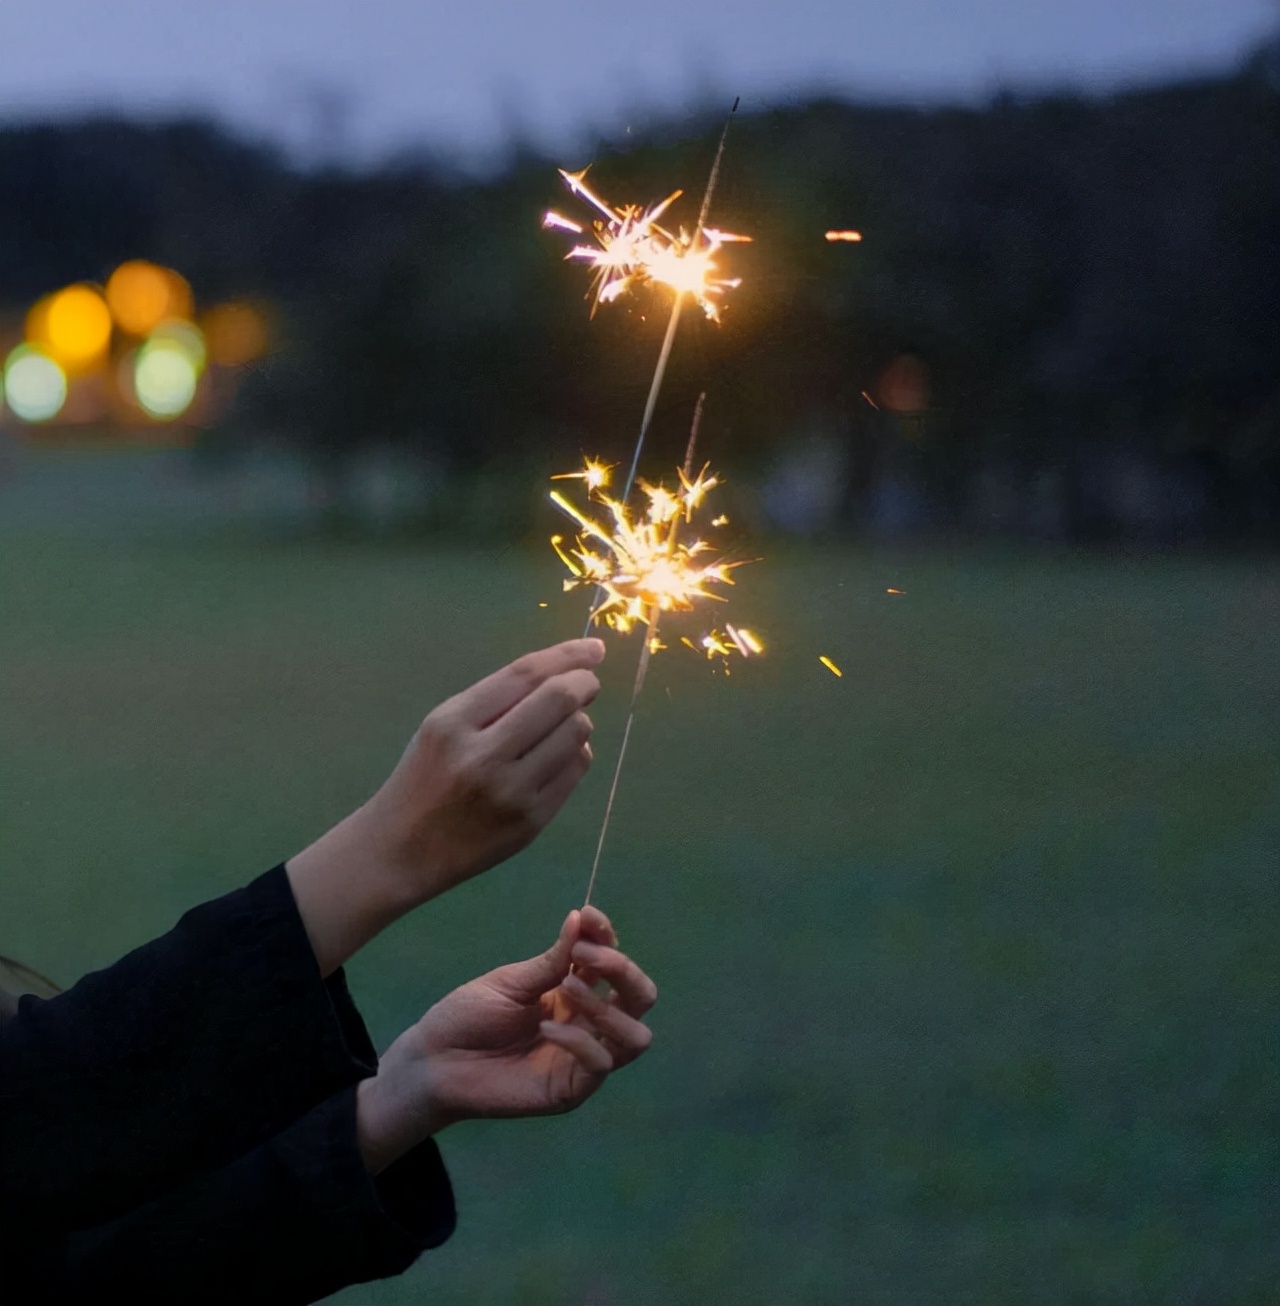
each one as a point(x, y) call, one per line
point(73, 325)
point(236, 333)
point(904, 385)
point(141, 295)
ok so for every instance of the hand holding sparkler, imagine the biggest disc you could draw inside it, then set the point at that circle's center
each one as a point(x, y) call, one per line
point(481, 777)
point(531, 1038)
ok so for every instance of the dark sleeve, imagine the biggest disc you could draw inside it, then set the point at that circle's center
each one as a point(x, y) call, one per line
point(183, 1056)
point(291, 1222)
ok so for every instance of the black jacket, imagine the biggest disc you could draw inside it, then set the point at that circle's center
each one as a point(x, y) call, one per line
point(181, 1126)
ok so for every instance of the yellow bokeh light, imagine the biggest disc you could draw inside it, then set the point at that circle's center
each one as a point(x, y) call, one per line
point(236, 333)
point(141, 295)
point(73, 326)
point(36, 329)
point(164, 379)
point(183, 336)
point(35, 386)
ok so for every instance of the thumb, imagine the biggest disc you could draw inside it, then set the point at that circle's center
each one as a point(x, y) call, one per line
point(534, 977)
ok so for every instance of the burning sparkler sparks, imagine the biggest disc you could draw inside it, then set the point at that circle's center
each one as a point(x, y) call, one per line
point(637, 562)
point(632, 248)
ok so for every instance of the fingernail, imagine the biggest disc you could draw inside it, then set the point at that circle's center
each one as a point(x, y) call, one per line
point(599, 648)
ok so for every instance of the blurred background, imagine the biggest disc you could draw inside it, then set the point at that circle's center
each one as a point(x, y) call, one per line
point(968, 974)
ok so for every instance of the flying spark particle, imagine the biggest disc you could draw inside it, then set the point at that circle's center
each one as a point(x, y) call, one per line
point(894, 591)
point(852, 237)
point(830, 666)
point(744, 640)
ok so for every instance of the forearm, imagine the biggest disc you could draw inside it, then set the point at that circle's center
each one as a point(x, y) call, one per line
point(483, 773)
point(349, 888)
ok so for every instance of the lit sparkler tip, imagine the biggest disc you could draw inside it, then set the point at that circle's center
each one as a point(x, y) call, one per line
point(637, 561)
point(830, 666)
point(633, 249)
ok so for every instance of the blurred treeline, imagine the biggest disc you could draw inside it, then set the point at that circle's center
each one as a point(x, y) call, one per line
point(1061, 320)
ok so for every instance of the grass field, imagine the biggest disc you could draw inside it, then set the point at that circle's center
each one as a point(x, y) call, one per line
point(967, 959)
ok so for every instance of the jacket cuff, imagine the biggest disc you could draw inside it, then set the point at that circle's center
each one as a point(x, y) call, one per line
point(333, 1030)
point(225, 1023)
point(388, 1221)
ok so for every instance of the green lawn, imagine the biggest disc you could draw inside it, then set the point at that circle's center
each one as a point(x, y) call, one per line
point(967, 959)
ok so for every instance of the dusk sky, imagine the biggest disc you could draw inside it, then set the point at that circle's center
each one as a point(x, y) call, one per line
point(461, 76)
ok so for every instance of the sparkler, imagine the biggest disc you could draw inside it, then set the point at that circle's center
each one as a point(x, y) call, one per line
point(636, 561)
point(641, 569)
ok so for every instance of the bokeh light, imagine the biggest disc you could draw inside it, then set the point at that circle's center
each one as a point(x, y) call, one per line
point(236, 333)
point(164, 378)
point(141, 295)
point(904, 385)
point(35, 386)
point(184, 336)
point(73, 326)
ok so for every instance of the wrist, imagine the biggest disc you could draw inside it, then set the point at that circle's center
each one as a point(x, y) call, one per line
point(348, 889)
point(379, 1143)
point(392, 1118)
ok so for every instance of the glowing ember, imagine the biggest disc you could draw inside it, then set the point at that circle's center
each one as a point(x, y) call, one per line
point(717, 644)
point(640, 565)
point(632, 249)
point(854, 237)
point(830, 666)
point(594, 474)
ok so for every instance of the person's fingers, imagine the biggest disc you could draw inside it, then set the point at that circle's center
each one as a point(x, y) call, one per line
point(597, 928)
point(630, 1035)
point(636, 991)
point(488, 699)
point(539, 713)
point(588, 1051)
point(529, 979)
point(545, 760)
point(555, 794)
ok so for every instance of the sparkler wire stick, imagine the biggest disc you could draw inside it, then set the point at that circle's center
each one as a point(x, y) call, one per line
point(646, 652)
